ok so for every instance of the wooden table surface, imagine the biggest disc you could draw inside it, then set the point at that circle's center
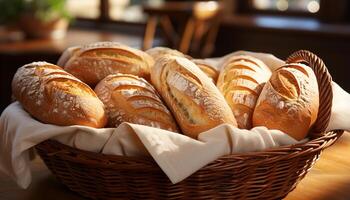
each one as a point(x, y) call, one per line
point(328, 179)
point(74, 37)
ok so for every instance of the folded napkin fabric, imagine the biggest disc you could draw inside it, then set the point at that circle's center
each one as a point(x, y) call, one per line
point(177, 155)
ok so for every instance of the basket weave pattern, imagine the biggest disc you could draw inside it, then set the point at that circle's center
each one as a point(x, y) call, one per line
point(270, 174)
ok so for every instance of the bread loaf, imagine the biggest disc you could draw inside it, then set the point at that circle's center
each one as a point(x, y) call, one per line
point(93, 62)
point(131, 99)
point(159, 52)
point(67, 54)
point(53, 96)
point(207, 68)
point(289, 101)
point(192, 97)
point(240, 81)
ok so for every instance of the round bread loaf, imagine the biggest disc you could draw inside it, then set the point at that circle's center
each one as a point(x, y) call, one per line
point(53, 96)
point(131, 99)
point(289, 101)
point(240, 81)
point(192, 97)
point(207, 68)
point(91, 63)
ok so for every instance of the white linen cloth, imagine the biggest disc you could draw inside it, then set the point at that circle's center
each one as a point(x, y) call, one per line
point(177, 155)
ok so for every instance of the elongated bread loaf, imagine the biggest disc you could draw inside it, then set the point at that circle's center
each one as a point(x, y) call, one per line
point(191, 96)
point(131, 99)
point(207, 68)
point(91, 63)
point(54, 96)
point(289, 101)
point(159, 52)
point(241, 81)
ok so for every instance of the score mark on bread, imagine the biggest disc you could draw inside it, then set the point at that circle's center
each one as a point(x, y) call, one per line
point(241, 81)
point(193, 98)
point(132, 99)
point(289, 101)
point(207, 68)
point(93, 62)
point(54, 96)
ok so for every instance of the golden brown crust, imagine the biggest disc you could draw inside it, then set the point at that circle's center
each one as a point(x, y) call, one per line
point(131, 99)
point(93, 62)
point(159, 52)
point(54, 96)
point(192, 97)
point(207, 68)
point(289, 101)
point(240, 81)
point(67, 54)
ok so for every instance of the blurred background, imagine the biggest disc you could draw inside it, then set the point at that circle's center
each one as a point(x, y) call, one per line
point(33, 30)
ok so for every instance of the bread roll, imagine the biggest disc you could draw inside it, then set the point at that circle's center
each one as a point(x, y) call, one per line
point(131, 99)
point(53, 96)
point(207, 68)
point(159, 52)
point(192, 97)
point(241, 81)
point(93, 62)
point(289, 101)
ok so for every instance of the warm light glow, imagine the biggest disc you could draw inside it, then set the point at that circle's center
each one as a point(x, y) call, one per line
point(155, 2)
point(117, 8)
point(262, 4)
point(313, 6)
point(205, 10)
point(282, 5)
point(86, 9)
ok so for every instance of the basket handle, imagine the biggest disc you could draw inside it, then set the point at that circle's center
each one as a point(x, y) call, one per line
point(324, 80)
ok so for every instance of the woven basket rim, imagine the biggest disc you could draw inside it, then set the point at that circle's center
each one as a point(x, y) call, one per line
point(79, 174)
point(324, 80)
point(279, 153)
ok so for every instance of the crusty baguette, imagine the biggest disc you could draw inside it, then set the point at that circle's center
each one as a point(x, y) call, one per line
point(240, 81)
point(289, 101)
point(53, 96)
point(129, 98)
point(192, 97)
point(91, 63)
point(207, 68)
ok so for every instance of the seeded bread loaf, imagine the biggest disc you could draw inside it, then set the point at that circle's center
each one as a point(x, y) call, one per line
point(289, 101)
point(132, 99)
point(54, 96)
point(240, 81)
point(191, 96)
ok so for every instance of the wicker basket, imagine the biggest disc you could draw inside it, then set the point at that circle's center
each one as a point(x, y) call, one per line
point(270, 174)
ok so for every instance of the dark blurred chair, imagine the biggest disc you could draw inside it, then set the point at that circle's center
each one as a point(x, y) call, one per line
point(200, 20)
